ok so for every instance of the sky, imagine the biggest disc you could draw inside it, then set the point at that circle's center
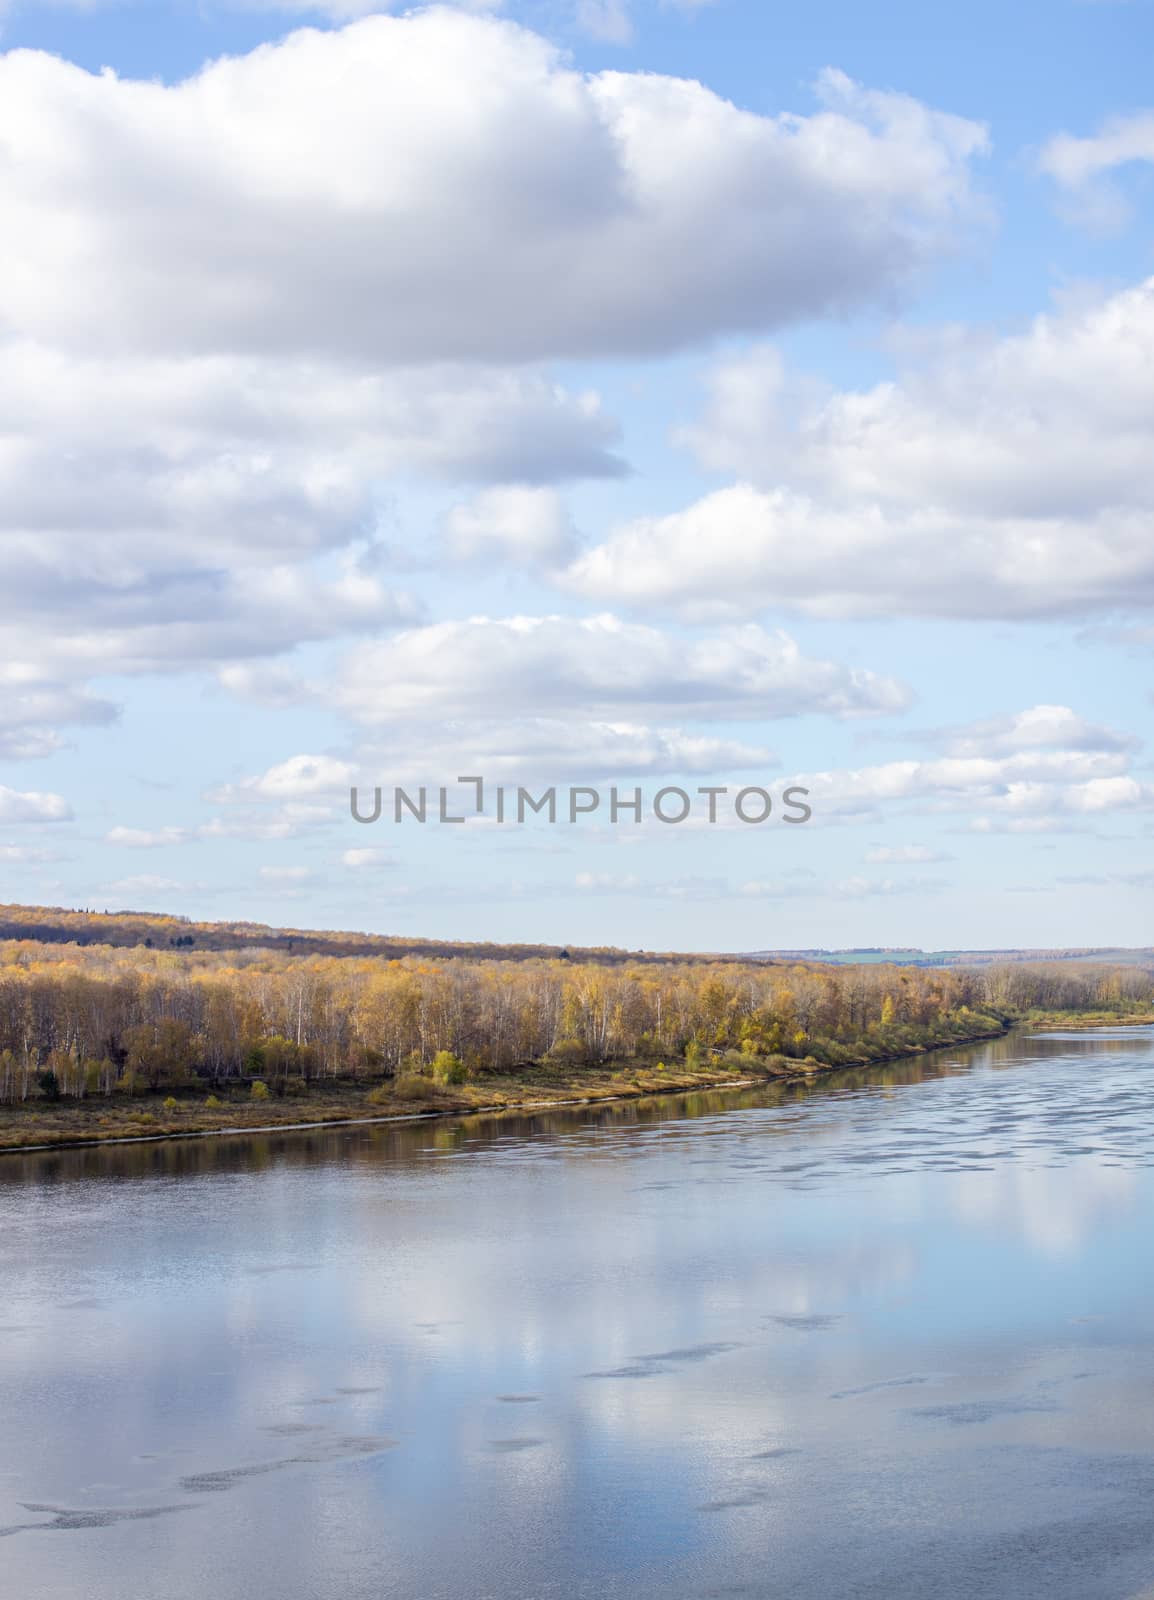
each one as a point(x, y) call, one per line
point(627, 395)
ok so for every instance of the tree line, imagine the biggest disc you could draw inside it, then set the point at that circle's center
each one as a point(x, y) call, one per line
point(103, 1019)
point(61, 925)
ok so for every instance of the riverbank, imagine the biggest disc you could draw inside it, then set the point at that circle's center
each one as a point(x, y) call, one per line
point(1085, 1020)
point(541, 1086)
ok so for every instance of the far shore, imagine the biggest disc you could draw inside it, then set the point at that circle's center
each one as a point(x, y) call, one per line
point(540, 1088)
point(1086, 1020)
point(145, 1119)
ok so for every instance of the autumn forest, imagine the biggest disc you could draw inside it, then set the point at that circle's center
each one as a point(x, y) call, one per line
point(92, 1019)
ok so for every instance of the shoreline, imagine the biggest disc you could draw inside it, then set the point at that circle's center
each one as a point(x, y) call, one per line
point(617, 1093)
point(699, 1083)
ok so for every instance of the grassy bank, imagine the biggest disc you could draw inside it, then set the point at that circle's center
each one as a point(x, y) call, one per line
point(1089, 1019)
point(63, 1123)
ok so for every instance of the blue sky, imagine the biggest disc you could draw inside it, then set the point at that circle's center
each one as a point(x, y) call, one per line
point(581, 393)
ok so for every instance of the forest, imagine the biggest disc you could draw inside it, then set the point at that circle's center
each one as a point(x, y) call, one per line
point(102, 1019)
point(60, 925)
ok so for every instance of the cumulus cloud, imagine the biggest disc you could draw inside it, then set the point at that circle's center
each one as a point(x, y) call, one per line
point(1069, 784)
point(904, 854)
point(442, 186)
point(235, 309)
point(184, 509)
point(290, 820)
point(274, 822)
point(362, 860)
point(32, 709)
point(560, 698)
point(1042, 770)
point(512, 750)
point(167, 517)
point(555, 749)
point(608, 20)
point(1084, 168)
point(1010, 477)
point(32, 806)
point(19, 855)
point(515, 523)
point(261, 457)
point(146, 838)
point(164, 623)
point(301, 777)
point(600, 667)
point(1042, 727)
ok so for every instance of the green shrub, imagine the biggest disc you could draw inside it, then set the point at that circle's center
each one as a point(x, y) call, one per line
point(447, 1069)
point(259, 1090)
point(213, 1104)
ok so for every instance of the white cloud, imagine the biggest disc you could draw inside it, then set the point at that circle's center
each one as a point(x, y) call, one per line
point(155, 521)
point(904, 854)
point(292, 820)
point(1084, 168)
point(1012, 782)
point(235, 309)
point(599, 667)
point(860, 888)
point(440, 187)
point(511, 750)
point(563, 698)
point(608, 20)
point(1037, 728)
point(1042, 770)
point(301, 777)
point(362, 860)
point(554, 750)
point(1121, 140)
point(517, 523)
point(31, 709)
point(289, 875)
point(1022, 825)
point(1021, 793)
point(19, 855)
point(1011, 478)
point(261, 457)
point(182, 509)
point(32, 806)
point(146, 838)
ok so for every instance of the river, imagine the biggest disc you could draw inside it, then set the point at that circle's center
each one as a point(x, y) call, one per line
point(890, 1334)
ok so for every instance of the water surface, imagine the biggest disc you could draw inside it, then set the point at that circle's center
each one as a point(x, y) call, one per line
point(889, 1335)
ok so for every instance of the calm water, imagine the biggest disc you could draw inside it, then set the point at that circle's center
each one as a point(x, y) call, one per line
point(890, 1336)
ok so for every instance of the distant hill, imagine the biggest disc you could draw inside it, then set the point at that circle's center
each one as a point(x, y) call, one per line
point(1142, 956)
point(126, 929)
